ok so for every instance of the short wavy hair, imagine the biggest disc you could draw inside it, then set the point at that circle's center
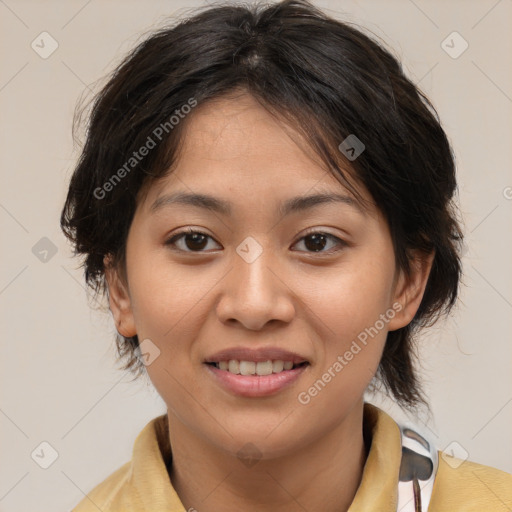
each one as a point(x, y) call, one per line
point(328, 80)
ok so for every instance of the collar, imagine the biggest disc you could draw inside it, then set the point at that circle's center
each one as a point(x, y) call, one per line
point(378, 489)
point(149, 476)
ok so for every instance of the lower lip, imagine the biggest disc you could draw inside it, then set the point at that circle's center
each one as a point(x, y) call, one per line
point(256, 385)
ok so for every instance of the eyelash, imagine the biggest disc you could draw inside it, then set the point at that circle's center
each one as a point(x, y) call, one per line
point(172, 241)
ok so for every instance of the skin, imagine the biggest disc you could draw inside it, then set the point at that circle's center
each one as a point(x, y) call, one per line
point(192, 304)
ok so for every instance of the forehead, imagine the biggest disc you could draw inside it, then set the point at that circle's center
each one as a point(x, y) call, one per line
point(238, 132)
point(233, 147)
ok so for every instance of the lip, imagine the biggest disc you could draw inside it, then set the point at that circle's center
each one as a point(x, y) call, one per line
point(256, 355)
point(255, 386)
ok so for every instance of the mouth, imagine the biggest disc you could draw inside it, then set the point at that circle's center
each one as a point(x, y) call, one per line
point(256, 368)
point(255, 373)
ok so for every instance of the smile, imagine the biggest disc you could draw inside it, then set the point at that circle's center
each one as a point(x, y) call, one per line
point(260, 368)
point(255, 379)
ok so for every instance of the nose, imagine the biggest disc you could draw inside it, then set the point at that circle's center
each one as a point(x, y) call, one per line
point(256, 292)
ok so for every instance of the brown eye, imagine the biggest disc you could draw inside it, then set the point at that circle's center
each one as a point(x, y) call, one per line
point(190, 241)
point(317, 241)
point(195, 241)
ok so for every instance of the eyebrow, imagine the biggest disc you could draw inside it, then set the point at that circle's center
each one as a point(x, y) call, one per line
point(214, 204)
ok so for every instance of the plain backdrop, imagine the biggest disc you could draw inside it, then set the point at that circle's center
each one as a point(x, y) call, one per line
point(59, 380)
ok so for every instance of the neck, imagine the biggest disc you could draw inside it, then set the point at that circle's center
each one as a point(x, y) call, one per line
point(323, 475)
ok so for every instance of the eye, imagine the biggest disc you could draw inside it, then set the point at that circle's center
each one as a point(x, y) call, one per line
point(190, 240)
point(316, 241)
point(194, 240)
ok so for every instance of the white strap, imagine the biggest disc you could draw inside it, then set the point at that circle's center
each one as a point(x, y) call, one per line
point(419, 465)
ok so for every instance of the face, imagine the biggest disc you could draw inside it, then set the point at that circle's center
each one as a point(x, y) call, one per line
point(312, 285)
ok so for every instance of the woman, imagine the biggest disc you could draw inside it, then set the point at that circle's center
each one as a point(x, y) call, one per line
point(266, 200)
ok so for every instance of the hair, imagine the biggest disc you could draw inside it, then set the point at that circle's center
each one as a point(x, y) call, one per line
point(323, 77)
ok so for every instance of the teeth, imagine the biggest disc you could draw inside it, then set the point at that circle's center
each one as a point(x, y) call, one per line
point(234, 366)
point(277, 366)
point(254, 368)
point(247, 367)
point(264, 368)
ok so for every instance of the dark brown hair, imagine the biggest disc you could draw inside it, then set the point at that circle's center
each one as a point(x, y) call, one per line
point(324, 77)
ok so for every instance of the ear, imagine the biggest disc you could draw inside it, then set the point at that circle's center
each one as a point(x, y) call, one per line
point(119, 300)
point(409, 290)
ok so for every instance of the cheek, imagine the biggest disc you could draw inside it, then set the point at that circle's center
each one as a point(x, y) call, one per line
point(354, 336)
point(166, 296)
point(353, 298)
point(354, 309)
point(168, 311)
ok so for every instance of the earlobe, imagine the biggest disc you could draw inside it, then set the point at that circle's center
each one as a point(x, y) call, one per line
point(119, 300)
point(409, 290)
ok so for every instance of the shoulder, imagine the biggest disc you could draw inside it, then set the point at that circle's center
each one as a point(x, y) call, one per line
point(108, 493)
point(134, 485)
point(467, 486)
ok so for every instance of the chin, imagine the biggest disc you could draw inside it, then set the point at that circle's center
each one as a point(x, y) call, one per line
point(267, 442)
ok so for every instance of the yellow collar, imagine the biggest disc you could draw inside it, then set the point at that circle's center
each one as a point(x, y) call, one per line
point(144, 484)
point(378, 489)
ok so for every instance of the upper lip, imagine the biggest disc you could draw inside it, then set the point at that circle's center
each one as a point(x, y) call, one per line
point(256, 355)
